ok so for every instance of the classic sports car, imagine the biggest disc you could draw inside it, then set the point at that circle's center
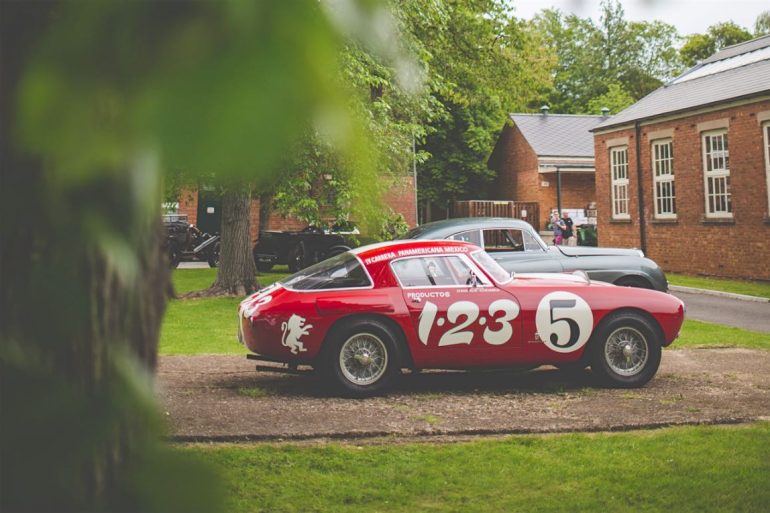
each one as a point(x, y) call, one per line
point(517, 247)
point(363, 315)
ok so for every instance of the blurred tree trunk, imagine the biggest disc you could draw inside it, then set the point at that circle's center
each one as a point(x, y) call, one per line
point(81, 306)
point(236, 273)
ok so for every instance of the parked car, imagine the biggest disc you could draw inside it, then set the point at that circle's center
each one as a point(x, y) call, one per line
point(185, 242)
point(299, 249)
point(517, 247)
point(361, 316)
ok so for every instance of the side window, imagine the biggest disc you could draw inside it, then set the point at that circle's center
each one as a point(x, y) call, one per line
point(503, 240)
point(472, 236)
point(530, 244)
point(438, 271)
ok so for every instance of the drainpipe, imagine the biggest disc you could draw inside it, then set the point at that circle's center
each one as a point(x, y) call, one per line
point(558, 190)
point(640, 188)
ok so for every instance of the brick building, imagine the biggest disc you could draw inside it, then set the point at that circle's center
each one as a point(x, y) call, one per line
point(684, 173)
point(204, 209)
point(547, 159)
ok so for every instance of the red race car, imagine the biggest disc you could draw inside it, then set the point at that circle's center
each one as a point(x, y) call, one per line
point(362, 316)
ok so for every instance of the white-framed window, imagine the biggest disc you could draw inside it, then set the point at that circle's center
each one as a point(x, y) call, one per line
point(619, 182)
point(766, 132)
point(664, 189)
point(716, 174)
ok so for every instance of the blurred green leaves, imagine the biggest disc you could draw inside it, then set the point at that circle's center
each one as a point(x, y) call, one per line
point(101, 100)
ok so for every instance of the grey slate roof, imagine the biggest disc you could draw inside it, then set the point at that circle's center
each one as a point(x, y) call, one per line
point(724, 84)
point(732, 51)
point(558, 135)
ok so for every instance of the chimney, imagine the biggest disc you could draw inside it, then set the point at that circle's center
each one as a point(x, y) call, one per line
point(605, 112)
point(544, 109)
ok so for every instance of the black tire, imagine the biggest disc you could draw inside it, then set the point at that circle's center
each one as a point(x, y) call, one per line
point(361, 357)
point(634, 281)
point(625, 350)
point(174, 258)
point(213, 258)
point(297, 258)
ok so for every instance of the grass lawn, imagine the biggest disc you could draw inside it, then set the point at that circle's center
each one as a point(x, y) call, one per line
point(197, 326)
point(750, 288)
point(706, 334)
point(208, 325)
point(688, 469)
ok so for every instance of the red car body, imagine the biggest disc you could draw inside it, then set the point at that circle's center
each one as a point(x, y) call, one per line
point(448, 306)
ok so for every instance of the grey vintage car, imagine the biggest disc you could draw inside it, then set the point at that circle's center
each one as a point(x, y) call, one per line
point(517, 247)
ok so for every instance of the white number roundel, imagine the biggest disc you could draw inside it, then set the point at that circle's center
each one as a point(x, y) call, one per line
point(564, 321)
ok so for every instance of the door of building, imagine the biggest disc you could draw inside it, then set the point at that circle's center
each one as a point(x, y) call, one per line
point(209, 211)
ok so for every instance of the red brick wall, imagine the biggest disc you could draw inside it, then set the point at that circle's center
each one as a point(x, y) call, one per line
point(188, 204)
point(518, 178)
point(401, 199)
point(692, 244)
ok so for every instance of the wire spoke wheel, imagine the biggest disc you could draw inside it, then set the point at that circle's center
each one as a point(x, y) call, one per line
point(626, 351)
point(363, 359)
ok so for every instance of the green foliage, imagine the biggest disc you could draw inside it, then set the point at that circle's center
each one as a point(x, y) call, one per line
point(697, 47)
point(616, 99)
point(634, 57)
point(483, 64)
point(685, 469)
point(762, 24)
point(393, 226)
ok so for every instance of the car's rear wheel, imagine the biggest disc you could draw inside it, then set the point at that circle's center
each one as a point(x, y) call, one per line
point(362, 358)
point(626, 350)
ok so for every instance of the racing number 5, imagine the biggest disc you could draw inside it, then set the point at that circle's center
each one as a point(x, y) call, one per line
point(574, 329)
point(564, 321)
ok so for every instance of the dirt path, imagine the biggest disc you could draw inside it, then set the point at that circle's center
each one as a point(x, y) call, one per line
point(222, 398)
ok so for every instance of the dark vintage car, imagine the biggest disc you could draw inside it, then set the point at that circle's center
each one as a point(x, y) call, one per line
point(299, 249)
point(185, 242)
point(517, 247)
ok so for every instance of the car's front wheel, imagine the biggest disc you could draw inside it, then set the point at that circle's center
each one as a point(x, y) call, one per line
point(362, 358)
point(626, 350)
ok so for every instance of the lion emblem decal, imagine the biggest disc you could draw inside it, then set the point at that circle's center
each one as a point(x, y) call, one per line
point(293, 330)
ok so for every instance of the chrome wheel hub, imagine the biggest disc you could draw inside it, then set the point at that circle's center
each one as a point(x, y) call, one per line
point(363, 359)
point(626, 351)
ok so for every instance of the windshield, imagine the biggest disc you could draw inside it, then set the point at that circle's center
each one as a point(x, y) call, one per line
point(489, 264)
point(338, 272)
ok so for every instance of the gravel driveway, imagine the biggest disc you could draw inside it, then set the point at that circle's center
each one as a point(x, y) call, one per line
point(222, 398)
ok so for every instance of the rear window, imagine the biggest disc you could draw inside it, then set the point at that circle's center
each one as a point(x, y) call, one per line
point(338, 272)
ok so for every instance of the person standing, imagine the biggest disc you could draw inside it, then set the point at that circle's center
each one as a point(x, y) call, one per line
point(566, 231)
point(556, 227)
